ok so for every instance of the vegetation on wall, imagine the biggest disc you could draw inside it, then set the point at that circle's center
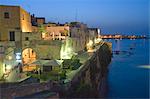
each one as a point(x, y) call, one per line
point(63, 75)
point(73, 63)
point(64, 32)
point(41, 28)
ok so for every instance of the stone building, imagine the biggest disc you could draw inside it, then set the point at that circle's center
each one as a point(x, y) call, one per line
point(37, 21)
point(13, 21)
point(79, 34)
point(25, 38)
point(40, 20)
point(56, 32)
point(93, 34)
point(15, 30)
point(21, 42)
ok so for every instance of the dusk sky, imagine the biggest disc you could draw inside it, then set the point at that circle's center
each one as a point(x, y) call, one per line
point(121, 16)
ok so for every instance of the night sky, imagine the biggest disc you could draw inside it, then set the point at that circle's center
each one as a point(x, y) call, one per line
point(112, 16)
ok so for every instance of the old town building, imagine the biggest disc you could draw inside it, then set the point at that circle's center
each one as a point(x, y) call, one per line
point(25, 39)
point(13, 21)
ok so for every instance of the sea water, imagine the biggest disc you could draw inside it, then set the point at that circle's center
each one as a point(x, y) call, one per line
point(128, 75)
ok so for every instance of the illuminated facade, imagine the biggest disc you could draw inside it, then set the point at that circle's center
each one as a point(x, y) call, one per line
point(22, 41)
point(28, 56)
point(56, 32)
point(10, 56)
point(13, 21)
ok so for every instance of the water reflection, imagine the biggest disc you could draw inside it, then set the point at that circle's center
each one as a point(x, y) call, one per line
point(144, 66)
point(127, 52)
point(128, 75)
point(117, 44)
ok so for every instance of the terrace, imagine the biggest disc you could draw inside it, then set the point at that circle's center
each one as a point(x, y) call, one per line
point(56, 70)
point(67, 68)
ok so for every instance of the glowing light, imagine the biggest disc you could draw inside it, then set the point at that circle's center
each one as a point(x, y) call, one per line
point(3, 68)
point(91, 50)
point(43, 35)
point(8, 67)
point(90, 44)
point(9, 57)
point(145, 66)
point(69, 49)
point(98, 40)
point(28, 56)
point(66, 49)
point(67, 53)
point(18, 57)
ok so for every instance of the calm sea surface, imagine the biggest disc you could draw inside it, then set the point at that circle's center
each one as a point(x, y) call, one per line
point(128, 75)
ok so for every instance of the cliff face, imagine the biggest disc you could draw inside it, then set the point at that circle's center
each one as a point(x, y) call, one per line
point(91, 80)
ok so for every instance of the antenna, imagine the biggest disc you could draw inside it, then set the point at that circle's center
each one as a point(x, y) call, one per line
point(76, 16)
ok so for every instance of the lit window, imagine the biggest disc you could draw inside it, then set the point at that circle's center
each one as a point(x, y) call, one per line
point(6, 15)
point(43, 35)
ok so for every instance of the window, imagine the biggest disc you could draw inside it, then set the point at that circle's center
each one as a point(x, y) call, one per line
point(32, 52)
point(6, 15)
point(0, 36)
point(47, 68)
point(2, 50)
point(23, 17)
point(12, 35)
point(26, 38)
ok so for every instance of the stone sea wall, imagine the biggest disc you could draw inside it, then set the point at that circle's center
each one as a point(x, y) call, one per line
point(91, 81)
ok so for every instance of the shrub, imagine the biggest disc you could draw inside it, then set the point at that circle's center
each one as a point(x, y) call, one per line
point(63, 75)
point(73, 63)
point(66, 63)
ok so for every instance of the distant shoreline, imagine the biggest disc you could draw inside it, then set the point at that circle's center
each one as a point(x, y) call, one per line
point(126, 38)
point(123, 37)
